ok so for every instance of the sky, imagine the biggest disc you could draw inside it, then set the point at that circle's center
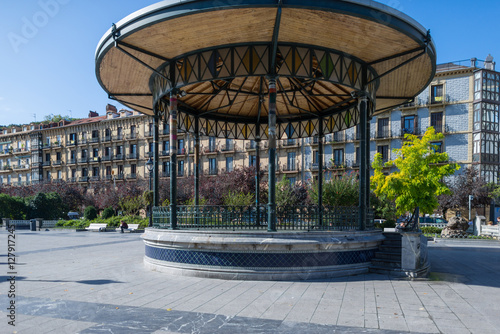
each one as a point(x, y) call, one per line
point(47, 48)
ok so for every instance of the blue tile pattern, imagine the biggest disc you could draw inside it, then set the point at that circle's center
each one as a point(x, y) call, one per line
point(259, 260)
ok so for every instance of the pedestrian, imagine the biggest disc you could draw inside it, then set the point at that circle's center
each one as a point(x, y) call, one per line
point(123, 225)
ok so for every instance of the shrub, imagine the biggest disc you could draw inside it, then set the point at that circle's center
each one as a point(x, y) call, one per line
point(431, 229)
point(108, 213)
point(90, 213)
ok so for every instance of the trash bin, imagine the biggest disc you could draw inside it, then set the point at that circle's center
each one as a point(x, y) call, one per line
point(32, 225)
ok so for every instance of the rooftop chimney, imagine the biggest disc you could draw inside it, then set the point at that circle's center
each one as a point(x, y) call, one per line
point(489, 64)
point(473, 62)
point(93, 114)
point(111, 108)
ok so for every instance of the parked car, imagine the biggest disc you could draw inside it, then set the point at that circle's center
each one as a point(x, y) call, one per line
point(432, 220)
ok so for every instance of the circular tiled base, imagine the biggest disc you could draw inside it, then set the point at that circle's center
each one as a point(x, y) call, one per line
point(260, 255)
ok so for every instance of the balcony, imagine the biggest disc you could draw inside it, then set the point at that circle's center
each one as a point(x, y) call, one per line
point(165, 174)
point(131, 136)
point(338, 137)
point(337, 165)
point(413, 131)
point(181, 151)
point(228, 147)
point(314, 166)
point(118, 137)
point(23, 166)
point(107, 158)
point(120, 176)
point(7, 168)
point(94, 178)
point(94, 140)
point(20, 150)
point(109, 177)
point(213, 171)
point(94, 160)
point(72, 180)
point(383, 133)
point(106, 139)
point(211, 149)
point(118, 157)
point(83, 179)
point(83, 141)
point(133, 156)
point(149, 133)
point(46, 146)
point(165, 153)
point(290, 168)
point(165, 132)
point(57, 144)
point(83, 160)
point(131, 176)
point(71, 162)
point(46, 163)
point(71, 143)
point(289, 142)
point(57, 163)
point(251, 145)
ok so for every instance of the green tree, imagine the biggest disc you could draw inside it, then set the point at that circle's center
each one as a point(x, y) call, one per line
point(90, 213)
point(238, 199)
point(339, 190)
point(12, 207)
point(132, 205)
point(418, 180)
point(47, 206)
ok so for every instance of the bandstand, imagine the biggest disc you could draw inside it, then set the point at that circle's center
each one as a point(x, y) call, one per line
point(263, 70)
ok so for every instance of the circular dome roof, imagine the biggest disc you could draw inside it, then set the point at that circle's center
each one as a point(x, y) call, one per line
point(220, 56)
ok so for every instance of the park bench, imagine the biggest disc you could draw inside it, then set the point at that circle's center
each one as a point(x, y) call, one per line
point(131, 227)
point(97, 227)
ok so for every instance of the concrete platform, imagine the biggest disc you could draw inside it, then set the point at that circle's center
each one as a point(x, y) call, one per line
point(71, 282)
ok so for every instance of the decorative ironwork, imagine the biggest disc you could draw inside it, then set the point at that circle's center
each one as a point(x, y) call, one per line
point(304, 218)
point(299, 69)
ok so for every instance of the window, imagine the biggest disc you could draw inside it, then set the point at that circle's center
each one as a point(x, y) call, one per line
point(166, 168)
point(292, 180)
point(229, 164)
point(211, 144)
point(107, 133)
point(338, 157)
point(252, 160)
point(72, 138)
point(133, 149)
point(119, 150)
point(133, 169)
point(73, 173)
point(315, 156)
point(437, 121)
point(133, 132)
point(150, 129)
point(95, 153)
point(384, 151)
point(181, 150)
point(409, 124)
point(437, 94)
point(84, 154)
point(181, 168)
point(290, 161)
point(151, 148)
point(47, 157)
point(212, 166)
point(58, 156)
point(437, 147)
point(95, 134)
point(108, 170)
point(383, 128)
point(85, 172)
point(120, 169)
point(107, 151)
point(119, 133)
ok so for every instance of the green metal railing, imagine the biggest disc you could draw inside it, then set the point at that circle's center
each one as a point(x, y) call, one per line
point(303, 218)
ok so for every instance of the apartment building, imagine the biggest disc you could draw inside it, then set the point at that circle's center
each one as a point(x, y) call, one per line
point(462, 102)
point(115, 148)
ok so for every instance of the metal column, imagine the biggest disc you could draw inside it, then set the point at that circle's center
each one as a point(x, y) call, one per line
point(271, 214)
point(156, 177)
point(257, 178)
point(196, 162)
point(363, 163)
point(173, 160)
point(320, 172)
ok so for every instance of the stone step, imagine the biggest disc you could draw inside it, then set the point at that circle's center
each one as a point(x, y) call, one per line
point(390, 249)
point(387, 255)
point(392, 243)
point(386, 271)
point(386, 263)
point(392, 236)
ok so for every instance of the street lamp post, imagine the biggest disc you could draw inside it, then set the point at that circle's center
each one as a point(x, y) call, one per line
point(149, 166)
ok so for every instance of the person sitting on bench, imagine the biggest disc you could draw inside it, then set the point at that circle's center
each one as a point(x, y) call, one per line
point(123, 225)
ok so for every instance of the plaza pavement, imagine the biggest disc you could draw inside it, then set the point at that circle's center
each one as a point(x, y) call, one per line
point(90, 282)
